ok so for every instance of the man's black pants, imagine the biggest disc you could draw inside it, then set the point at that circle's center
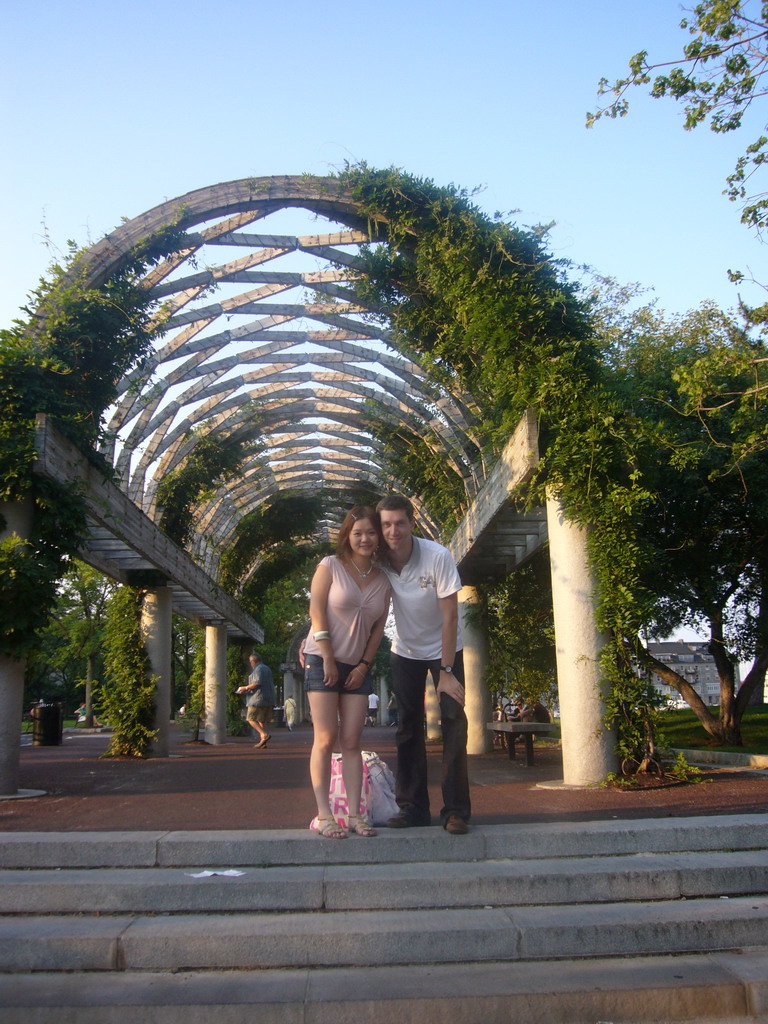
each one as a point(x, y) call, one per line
point(409, 679)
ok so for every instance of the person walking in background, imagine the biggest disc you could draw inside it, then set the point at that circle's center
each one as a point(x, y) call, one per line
point(260, 700)
point(348, 606)
point(392, 710)
point(291, 712)
point(425, 584)
point(373, 709)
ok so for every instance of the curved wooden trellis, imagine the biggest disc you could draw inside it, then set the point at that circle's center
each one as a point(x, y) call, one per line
point(263, 335)
point(319, 380)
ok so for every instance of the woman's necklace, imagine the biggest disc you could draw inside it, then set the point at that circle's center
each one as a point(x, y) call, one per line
point(363, 574)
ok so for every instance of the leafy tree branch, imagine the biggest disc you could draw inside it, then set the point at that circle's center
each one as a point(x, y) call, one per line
point(722, 72)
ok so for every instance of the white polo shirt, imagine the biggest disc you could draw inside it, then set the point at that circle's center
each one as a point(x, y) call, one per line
point(429, 574)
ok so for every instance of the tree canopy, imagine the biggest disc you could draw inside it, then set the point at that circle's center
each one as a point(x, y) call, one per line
point(720, 75)
point(703, 533)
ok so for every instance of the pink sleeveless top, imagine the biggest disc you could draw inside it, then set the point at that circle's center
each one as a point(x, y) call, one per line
point(351, 612)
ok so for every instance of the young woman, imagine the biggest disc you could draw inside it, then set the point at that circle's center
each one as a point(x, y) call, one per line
point(348, 606)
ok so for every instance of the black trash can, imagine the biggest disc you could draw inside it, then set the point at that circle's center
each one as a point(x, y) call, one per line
point(47, 725)
point(278, 717)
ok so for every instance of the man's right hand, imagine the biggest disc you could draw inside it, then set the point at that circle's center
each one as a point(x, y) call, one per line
point(451, 687)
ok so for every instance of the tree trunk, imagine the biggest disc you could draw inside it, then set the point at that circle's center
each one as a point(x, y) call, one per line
point(756, 675)
point(730, 715)
point(728, 733)
point(755, 679)
point(89, 692)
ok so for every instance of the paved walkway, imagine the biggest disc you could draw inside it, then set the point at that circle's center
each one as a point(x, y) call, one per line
point(235, 786)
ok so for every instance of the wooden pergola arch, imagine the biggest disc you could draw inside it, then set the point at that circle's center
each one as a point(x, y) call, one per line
point(282, 339)
point(264, 336)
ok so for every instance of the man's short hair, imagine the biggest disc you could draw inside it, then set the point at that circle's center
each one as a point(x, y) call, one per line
point(396, 503)
point(255, 656)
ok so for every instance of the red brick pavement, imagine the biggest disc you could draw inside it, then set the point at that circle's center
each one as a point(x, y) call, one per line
point(235, 786)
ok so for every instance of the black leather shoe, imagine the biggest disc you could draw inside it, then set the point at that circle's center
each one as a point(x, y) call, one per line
point(455, 825)
point(406, 819)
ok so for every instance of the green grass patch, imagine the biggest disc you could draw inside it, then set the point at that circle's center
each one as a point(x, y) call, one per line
point(683, 729)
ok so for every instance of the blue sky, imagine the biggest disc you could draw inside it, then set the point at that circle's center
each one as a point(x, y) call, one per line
point(110, 109)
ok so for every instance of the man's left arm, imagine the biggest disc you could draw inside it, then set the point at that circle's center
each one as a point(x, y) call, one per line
point(448, 683)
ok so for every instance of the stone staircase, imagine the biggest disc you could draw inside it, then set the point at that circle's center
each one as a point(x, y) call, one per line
point(641, 921)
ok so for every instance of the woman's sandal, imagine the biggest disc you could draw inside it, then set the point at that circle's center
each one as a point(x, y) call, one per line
point(361, 826)
point(330, 829)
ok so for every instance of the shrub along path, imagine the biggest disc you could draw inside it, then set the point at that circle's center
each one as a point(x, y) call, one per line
point(235, 786)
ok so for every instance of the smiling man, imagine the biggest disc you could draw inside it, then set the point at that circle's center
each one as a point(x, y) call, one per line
point(425, 585)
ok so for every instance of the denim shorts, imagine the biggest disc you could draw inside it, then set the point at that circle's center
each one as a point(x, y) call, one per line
point(313, 677)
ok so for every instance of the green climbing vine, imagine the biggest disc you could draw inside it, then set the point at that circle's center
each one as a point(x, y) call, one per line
point(126, 699)
point(214, 460)
point(262, 532)
point(65, 359)
point(237, 671)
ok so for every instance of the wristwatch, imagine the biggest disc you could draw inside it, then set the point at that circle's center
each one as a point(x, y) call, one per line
point(447, 668)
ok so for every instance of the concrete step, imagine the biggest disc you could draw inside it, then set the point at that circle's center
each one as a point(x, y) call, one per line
point(716, 988)
point(644, 921)
point(395, 886)
point(344, 939)
point(302, 847)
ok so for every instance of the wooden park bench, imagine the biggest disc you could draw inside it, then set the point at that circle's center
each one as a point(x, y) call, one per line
point(527, 730)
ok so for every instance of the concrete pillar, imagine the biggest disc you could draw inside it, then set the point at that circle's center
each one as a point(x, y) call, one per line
point(301, 704)
point(289, 684)
point(477, 704)
point(215, 683)
point(434, 732)
point(291, 688)
point(298, 691)
point(156, 612)
point(588, 746)
point(383, 716)
point(18, 521)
